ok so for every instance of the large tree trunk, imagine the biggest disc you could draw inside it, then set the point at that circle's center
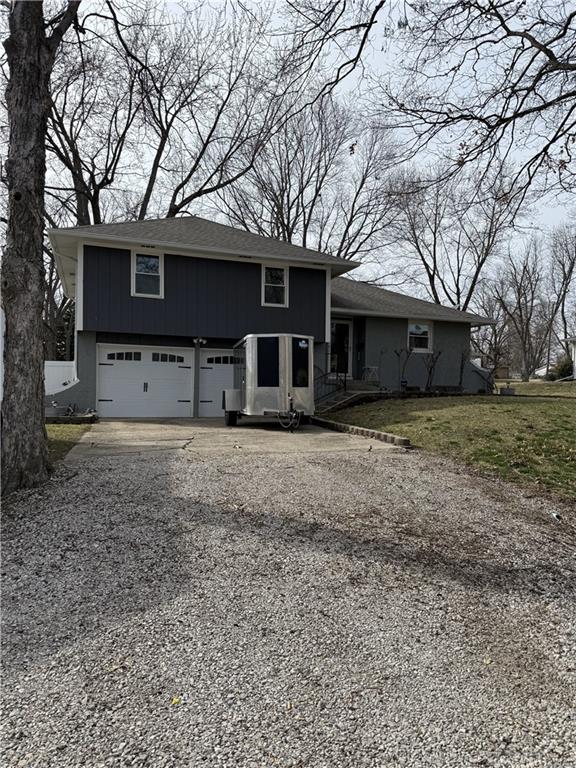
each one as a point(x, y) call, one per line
point(30, 57)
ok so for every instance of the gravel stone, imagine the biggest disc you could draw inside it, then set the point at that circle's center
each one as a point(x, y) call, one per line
point(347, 608)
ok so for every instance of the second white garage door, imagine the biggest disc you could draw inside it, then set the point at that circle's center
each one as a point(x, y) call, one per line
point(216, 374)
point(144, 381)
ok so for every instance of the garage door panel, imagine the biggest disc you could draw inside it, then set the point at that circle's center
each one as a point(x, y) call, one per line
point(128, 408)
point(216, 374)
point(109, 387)
point(153, 382)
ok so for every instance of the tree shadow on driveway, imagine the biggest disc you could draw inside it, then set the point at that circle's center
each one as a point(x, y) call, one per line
point(119, 538)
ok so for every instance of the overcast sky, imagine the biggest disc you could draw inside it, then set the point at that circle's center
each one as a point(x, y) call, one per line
point(382, 59)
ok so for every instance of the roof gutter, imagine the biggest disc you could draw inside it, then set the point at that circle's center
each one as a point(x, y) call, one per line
point(413, 315)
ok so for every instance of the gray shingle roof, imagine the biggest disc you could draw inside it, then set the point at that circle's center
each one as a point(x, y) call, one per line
point(355, 295)
point(195, 232)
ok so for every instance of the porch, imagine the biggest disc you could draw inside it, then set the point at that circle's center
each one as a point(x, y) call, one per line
point(375, 354)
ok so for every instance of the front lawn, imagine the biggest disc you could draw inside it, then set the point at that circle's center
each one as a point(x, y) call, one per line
point(62, 437)
point(527, 440)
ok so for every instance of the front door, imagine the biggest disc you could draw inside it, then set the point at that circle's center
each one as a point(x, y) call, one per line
point(341, 347)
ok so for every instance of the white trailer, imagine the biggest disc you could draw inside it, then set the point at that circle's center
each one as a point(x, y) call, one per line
point(273, 376)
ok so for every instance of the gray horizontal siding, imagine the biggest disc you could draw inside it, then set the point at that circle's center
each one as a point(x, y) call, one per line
point(202, 297)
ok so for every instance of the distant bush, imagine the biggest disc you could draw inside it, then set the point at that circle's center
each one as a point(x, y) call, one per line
point(563, 368)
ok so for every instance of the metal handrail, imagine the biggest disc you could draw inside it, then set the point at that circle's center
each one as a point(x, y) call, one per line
point(329, 383)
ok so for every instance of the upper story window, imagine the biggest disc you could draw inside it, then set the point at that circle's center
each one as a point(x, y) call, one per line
point(148, 275)
point(274, 286)
point(420, 337)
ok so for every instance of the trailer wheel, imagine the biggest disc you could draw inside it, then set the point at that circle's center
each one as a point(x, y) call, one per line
point(230, 418)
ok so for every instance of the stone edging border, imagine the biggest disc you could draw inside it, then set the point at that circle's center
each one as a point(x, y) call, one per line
point(385, 437)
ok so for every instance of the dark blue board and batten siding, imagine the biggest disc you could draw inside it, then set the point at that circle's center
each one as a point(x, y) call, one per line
point(202, 297)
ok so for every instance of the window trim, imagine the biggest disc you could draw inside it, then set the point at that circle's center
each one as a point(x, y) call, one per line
point(430, 348)
point(263, 286)
point(146, 252)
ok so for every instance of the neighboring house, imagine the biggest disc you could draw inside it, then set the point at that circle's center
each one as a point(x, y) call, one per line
point(161, 303)
point(541, 372)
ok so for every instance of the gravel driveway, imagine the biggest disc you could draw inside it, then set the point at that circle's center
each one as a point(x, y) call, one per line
point(333, 608)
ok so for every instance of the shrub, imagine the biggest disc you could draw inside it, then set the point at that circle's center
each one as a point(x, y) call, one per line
point(563, 367)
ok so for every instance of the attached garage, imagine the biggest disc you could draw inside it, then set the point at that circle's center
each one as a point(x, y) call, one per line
point(216, 374)
point(136, 381)
point(158, 382)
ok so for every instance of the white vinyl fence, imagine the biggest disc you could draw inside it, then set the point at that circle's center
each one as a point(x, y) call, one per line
point(58, 375)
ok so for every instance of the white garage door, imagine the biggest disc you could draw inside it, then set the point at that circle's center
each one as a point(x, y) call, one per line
point(216, 374)
point(144, 381)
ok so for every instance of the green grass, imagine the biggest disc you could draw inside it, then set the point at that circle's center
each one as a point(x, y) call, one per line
point(529, 440)
point(536, 388)
point(62, 437)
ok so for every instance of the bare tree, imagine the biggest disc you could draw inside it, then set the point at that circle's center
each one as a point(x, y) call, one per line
point(403, 355)
point(58, 314)
point(214, 88)
point(430, 361)
point(531, 293)
point(94, 106)
point(491, 342)
point(338, 29)
point(563, 250)
point(450, 231)
point(487, 77)
point(321, 182)
point(30, 49)
point(474, 81)
point(161, 110)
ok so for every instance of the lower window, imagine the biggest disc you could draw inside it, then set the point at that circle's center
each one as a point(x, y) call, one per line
point(419, 337)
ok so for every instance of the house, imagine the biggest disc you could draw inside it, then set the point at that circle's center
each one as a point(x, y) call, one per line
point(161, 303)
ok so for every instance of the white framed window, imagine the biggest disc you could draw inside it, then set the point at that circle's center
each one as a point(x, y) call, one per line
point(148, 274)
point(274, 286)
point(419, 336)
